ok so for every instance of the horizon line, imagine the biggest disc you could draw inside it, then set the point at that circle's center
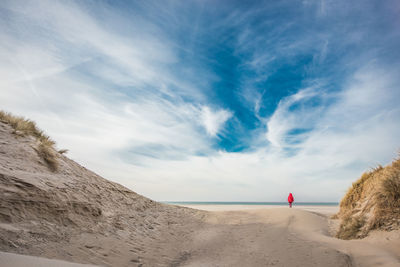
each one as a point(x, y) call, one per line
point(248, 202)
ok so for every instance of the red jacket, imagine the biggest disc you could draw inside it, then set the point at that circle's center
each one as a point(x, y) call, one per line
point(290, 198)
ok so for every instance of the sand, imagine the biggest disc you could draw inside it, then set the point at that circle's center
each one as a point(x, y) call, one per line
point(276, 237)
point(77, 216)
point(15, 260)
point(283, 237)
point(326, 210)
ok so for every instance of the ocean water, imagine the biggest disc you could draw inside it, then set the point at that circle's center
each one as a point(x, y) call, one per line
point(251, 203)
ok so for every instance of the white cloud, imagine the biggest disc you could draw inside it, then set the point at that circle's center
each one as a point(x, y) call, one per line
point(214, 121)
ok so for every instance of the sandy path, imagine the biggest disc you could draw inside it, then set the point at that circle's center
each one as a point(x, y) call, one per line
point(277, 237)
point(259, 238)
point(326, 210)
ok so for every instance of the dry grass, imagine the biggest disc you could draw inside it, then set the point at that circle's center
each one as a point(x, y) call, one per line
point(373, 202)
point(354, 194)
point(63, 151)
point(26, 127)
point(350, 227)
point(21, 126)
point(46, 151)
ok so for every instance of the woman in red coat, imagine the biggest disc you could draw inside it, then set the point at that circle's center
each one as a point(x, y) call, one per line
point(290, 199)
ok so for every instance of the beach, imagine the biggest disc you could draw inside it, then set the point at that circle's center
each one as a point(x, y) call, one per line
point(323, 209)
point(279, 236)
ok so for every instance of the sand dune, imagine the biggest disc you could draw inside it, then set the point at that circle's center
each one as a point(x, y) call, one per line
point(74, 215)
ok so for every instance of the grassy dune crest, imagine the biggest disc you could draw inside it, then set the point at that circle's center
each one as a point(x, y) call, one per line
point(25, 127)
point(372, 202)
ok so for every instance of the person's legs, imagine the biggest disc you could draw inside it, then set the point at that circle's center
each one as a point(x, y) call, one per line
point(290, 204)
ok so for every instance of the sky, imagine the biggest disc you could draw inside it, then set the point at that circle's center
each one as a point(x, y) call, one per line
point(210, 100)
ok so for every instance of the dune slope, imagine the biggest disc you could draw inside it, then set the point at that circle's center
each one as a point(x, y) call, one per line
point(75, 215)
point(373, 202)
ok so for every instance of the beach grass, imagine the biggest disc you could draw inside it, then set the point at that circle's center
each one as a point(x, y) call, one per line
point(372, 202)
point(25, 127)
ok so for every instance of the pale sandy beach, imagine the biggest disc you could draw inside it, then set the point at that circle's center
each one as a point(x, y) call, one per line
point(328, 210)
point(284, 237)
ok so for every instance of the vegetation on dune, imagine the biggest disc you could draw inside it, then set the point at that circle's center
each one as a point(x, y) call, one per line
point(373, 202)
point(47, 152)
point(63, 151)
point(25, 127)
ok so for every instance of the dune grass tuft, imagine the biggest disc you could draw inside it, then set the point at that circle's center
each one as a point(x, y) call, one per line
point(350, 227)
point(373, 202)
point(46, 151)
point(25, 127)
point(63, 151)
point(20, 125)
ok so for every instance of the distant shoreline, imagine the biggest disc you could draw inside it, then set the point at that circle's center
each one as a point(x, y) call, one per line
point(250, 203)
point(326, 208)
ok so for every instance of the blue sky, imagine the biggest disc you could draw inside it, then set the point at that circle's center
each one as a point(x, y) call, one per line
point(210, 100)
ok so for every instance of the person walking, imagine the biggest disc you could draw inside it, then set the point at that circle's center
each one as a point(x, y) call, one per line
point(290, 199)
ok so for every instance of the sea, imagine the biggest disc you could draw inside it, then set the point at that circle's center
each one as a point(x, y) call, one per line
point(250, 203)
